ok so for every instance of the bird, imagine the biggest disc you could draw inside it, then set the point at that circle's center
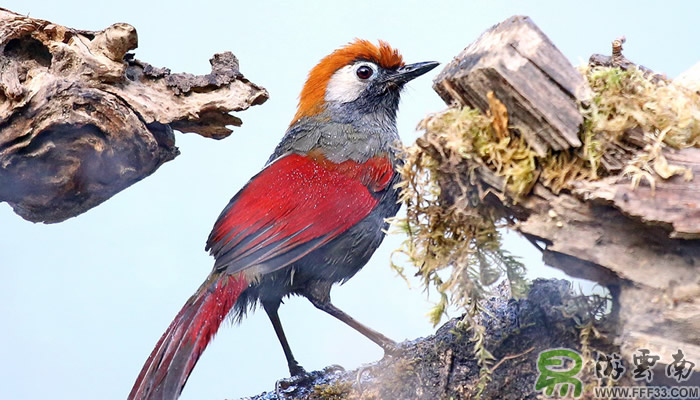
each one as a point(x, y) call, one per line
point(311, 218)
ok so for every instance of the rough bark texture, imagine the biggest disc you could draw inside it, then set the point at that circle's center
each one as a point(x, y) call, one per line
point(527, 73)
point(80, 119)
point(442, 366)
point(643, 243)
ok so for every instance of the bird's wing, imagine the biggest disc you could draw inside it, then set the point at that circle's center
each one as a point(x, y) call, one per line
point(293, 206)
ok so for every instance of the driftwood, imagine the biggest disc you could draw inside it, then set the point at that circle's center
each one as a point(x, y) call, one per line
point(643, 243)
point(81, 119)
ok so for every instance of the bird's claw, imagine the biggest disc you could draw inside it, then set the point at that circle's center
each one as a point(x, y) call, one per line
point(297, 371)
point(288, 385)
point(360, 372)
point(334, 368)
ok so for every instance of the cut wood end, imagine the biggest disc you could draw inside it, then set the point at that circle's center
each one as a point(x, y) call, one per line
point(518, 63)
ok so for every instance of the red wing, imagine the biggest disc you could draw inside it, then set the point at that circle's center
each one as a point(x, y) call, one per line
point(292, 207)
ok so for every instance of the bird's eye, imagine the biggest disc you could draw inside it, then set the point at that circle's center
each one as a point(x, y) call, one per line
point(364, 72)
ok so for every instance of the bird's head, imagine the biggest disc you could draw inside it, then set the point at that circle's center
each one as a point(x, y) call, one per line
point(358, 78)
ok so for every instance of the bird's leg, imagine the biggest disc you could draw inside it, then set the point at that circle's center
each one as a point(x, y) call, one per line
point(271, 309)
point(321, 299)
point(384, 342)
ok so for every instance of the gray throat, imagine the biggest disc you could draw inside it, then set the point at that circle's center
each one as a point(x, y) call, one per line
point(342, 135)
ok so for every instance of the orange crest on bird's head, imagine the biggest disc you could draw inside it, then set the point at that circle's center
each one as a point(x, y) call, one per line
point(312, 95)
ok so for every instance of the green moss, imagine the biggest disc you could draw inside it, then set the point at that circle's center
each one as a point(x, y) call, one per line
point(627, 99)
point(663, 113)
point(332, 391)
point(452, 236)
point(452, 232)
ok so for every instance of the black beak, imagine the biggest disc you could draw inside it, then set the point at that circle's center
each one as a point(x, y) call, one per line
point(411, 71)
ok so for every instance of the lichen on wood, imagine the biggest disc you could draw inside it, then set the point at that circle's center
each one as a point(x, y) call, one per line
point(81, 119)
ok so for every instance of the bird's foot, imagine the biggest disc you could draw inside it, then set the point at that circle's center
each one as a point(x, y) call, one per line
point(288, 386)
point(297, 371)
point(301, 378)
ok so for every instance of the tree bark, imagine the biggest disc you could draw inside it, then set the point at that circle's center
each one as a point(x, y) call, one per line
point(442, 366)
point(81, 119)
point(643, 243)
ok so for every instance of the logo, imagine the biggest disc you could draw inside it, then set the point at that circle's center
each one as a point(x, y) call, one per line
point(559, 371)
point(559, 367)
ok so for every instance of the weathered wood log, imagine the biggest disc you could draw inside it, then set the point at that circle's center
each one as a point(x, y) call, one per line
point(642, 242)
point(526, 72)
point(442, 366)
point(673, 203)
point(80, 119)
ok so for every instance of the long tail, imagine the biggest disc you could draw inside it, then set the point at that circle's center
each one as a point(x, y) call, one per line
point(164, 375)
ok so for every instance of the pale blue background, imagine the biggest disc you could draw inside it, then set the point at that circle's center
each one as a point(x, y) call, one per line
point(83, 302)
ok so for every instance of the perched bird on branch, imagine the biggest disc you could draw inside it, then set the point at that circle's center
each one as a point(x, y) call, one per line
point(311, 218)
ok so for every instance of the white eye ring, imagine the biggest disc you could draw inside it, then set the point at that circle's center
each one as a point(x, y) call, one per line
point(345, 85)
point(365, 71)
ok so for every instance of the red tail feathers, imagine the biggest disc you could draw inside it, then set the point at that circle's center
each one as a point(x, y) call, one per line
point(171, 362)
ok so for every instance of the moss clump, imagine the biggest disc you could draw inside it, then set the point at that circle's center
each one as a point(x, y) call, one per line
point(465, 156)
point(459, 232)
point(627, 99)
point(455, 229)
point(625, 102)
point(331, 391)
point(630, 118)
